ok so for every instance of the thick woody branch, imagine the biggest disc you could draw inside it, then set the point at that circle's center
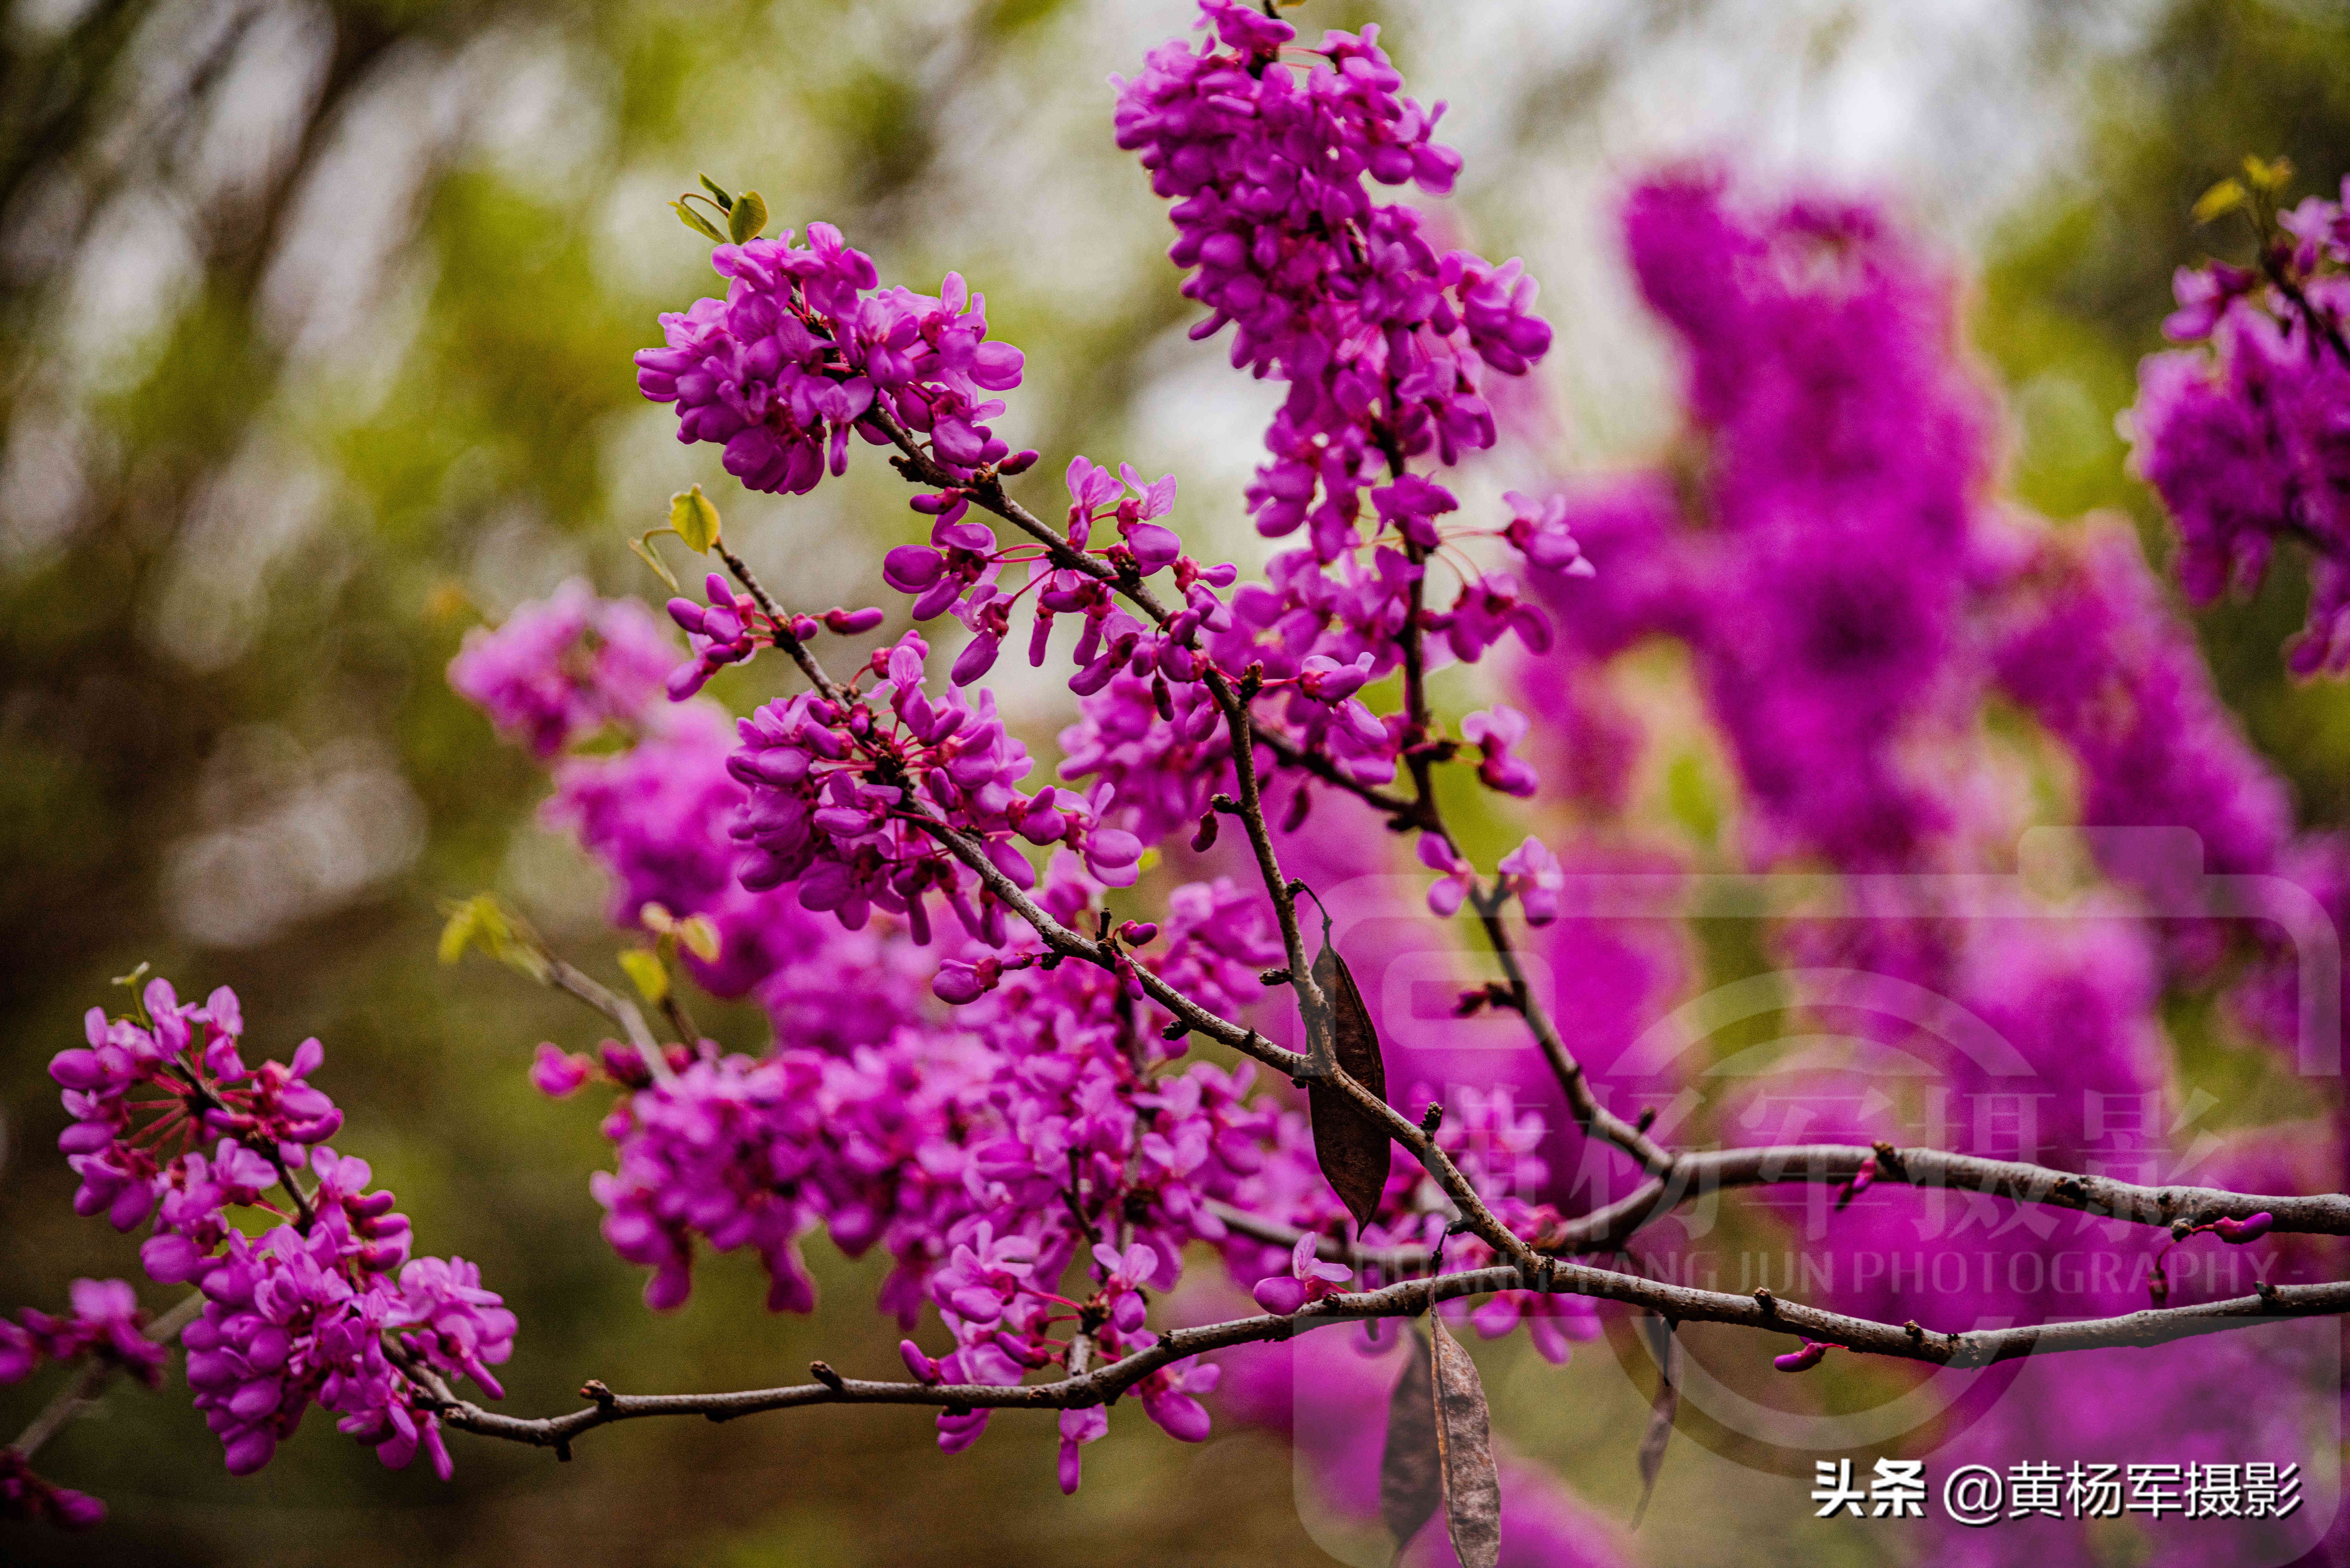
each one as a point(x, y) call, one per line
point(1700, 1173)
point(1411, 1297)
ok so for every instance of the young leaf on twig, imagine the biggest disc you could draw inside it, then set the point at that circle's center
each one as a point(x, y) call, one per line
point(1351, 1146)
point(1464, 1444)
point(1410, 1485)
point(1667, 1348)
point(693, 516)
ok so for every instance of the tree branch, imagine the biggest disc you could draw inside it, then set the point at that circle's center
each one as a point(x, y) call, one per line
point(1700, 1173)
point(82, 1393)
point(1411, 1297)
point(576, 983)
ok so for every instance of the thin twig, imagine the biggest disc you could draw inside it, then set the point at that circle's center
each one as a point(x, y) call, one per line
point(80, 1393)
point(573, 982)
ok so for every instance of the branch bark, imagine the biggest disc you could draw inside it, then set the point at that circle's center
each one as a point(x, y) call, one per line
point(1409, 1298)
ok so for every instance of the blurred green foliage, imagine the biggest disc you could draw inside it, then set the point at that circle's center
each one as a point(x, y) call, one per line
point(293, 395)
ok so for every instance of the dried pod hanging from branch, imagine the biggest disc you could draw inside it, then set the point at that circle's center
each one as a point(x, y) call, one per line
point(1410, 1484)
point(1349, 1142)
point(1667, 1348)
point(1472, 1490)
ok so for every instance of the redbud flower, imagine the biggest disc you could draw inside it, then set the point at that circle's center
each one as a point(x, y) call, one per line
point(557, 1072)
point(1309, 1279)
point(1533, 873)
point(1803, 1360)
point(1087, 1425)
point(1445, 894)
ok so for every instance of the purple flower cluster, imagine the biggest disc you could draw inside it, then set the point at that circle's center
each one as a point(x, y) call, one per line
point(1383, 341)
point(562, 669)
point(27, 1496)
point(1824, 607)
point(303, 1315)
point(799, 353)
point(1851, 603)
point(961, 569)
point(833, 787)
point(291, 1319)
point(105, 1322)
point(985, 1152)
point(2247, 440)
point(657, 816)
point(2084, 638)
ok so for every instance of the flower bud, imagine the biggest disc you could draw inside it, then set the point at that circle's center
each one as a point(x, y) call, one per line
point(1803, 1360)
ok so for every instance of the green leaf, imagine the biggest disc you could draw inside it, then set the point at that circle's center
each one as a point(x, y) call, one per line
point(464, 925)
point(692, 516)
point(2272, 176)
point(746, 217)
point(697, 222)
point(2218, 200)
point(646, 970)
point(651, 558)
point(481, 921)
point(717, 193)
point(700, 935)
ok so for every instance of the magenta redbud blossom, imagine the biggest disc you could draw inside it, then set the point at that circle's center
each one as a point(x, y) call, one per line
point(1533, 874)
point(1078, 1426)
point(910, 568)
point(976, 659)
point(2249, 1229)
point(1803, 1360)
point(1494, 734)
point(957, 982)
point(1448, 891)
point(1168, 1399)
point(20, 1353)
point(558, 671)
point(1325, 679)
point(1309, 1279)
point(27, 1496)
point(557, 1073)
point(919, 1365)
point(1540, 530)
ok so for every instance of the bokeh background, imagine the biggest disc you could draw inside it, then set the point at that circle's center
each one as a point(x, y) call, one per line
point(317, 323)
